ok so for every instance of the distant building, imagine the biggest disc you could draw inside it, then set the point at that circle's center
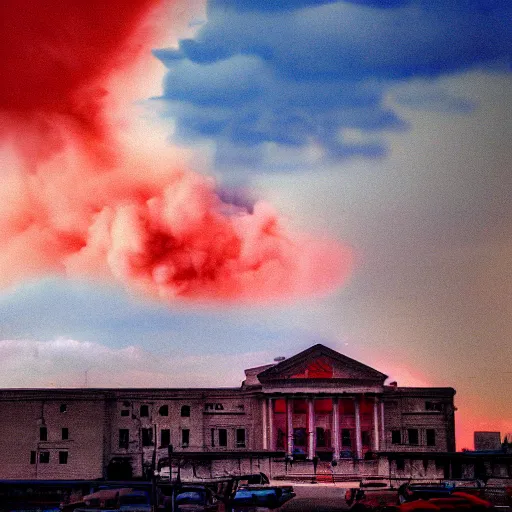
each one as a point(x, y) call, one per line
point(487, 441)
point(316, 404)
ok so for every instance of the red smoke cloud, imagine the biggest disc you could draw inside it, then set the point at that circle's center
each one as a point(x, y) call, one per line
point(131, 217)
point(55, 57)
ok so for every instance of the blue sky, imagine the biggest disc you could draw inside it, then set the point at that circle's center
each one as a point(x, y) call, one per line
point(385, 124)
point(293, 74)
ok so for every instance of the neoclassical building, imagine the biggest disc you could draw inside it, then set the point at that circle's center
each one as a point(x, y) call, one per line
point(316, 404)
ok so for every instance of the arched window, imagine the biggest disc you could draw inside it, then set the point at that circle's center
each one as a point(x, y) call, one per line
point(164, 410)
point(185, 411)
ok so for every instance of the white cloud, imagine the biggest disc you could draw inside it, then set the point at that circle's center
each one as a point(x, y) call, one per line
point(70, 363)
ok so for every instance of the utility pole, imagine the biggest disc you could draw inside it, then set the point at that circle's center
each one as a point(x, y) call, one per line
point(173, 493)
point(153, 469)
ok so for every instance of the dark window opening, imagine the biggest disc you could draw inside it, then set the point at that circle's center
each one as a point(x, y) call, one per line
point(63, 457)
point(33, 457)
point(323, 437)
point(299, 437)
point(147, 437)
point(43, 434)
point(400, 464)
point(280, 439)
point(185, 437)
point(65, 433)
point(456, 470)
point(165, 437)
point(346, 439)
point(223, 437)
point(63, 407)
point(44, 457)
point(125, 412)
point(213, 436)
point(396, 437)
point(164, 410)
point(413, 435)
point(124, 437)
point(144, 411)
point(240, 437)
point(185, 411)
point(433, 406)
point(366, 438)
point(431, 437)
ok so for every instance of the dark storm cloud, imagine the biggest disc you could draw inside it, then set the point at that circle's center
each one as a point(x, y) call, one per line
point(293, 73)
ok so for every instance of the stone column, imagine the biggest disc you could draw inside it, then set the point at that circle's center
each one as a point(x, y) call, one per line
point(336, 427)
point(376, 425)
point(359, 441)
point(289, 424)
point(264, 418)
point(382, 429)
point(311, 428)
point(271, 440)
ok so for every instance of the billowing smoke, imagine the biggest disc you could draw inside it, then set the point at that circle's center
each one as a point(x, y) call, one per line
point(78, 200)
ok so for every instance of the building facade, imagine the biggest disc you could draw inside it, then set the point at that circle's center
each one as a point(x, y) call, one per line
point(318, 404)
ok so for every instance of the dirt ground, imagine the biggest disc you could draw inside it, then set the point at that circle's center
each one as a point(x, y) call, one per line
point(317, 498)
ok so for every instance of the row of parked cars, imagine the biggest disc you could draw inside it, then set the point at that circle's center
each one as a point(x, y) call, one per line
point(232, 494)
point(418, 497)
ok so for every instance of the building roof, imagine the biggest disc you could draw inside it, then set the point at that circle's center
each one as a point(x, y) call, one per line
point(298, 363)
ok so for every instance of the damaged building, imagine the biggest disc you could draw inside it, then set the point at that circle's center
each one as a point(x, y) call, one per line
point(318, 405)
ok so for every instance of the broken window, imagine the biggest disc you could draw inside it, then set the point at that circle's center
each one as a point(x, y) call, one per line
point(44, 457)
point(185, 411)
point(124, 437)
point(185, 437)
point(433, 406)
point(43, 434)
point(65, 433)
point(63, 457)
point(125, 412)
point(144, 411)
point(147, 436)
point(63, 407)
point(431, 437)
point(164, 410)
point(240, 437)
point(165, 437)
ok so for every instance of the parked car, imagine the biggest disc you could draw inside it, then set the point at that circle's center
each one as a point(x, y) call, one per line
point(372, 494)
point(124, 499)
point(458, 501)
point(195, 499)
point(412, 491)
point(270, 497)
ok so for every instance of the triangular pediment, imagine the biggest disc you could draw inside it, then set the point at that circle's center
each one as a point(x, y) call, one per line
point(321, 362)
